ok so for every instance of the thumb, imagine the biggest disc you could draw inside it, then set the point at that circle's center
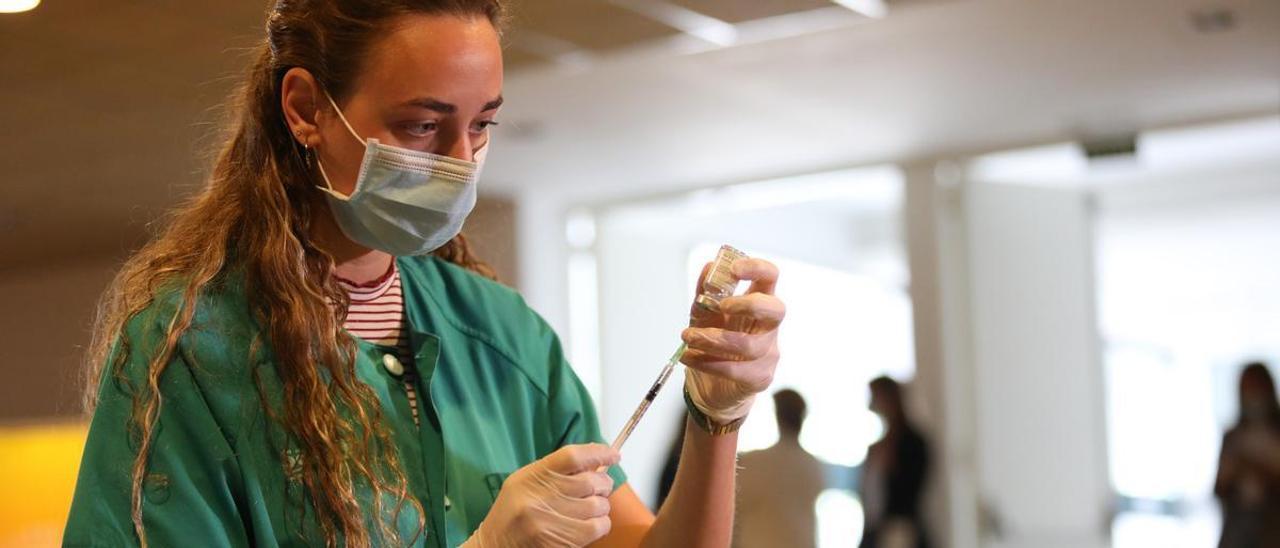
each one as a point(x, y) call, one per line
point(572, 459)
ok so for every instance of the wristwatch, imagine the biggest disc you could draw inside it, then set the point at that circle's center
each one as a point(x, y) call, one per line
point(706, 423)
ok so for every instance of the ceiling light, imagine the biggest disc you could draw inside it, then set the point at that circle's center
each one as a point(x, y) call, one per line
point(17, 6)
point(875, 9)
point(704, 27)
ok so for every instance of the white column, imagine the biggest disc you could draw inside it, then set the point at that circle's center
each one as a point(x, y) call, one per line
point(942, 388)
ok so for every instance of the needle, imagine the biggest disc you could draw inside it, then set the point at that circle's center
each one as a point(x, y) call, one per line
point(648, 398)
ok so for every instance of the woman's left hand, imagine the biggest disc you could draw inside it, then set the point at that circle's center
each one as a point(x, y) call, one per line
point(732, 354)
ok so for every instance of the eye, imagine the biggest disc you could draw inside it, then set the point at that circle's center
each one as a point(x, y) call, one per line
point(481, 126)
point(420, 129)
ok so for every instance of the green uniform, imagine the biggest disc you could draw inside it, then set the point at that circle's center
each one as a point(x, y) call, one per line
point(497, 395)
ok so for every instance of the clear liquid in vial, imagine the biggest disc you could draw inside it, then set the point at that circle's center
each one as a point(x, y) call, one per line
point(720, 282)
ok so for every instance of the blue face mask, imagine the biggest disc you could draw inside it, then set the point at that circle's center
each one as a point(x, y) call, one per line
point(405, 202)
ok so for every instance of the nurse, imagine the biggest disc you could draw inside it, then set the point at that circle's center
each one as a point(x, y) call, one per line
point(308, 352)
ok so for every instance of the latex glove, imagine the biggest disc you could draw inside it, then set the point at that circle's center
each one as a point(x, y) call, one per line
point(559, 500)
point(732, 354)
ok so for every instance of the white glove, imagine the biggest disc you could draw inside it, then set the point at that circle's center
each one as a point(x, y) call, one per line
point(720, 401)
point(732, 354)
point(559, 500)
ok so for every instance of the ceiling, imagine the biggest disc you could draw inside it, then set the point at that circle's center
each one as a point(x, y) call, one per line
point(109, 110)
point(933, 79)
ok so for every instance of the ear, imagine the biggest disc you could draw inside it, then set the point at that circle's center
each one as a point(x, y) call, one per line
point(300, 96)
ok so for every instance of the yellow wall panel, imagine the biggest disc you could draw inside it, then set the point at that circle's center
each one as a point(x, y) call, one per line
point(38, 465)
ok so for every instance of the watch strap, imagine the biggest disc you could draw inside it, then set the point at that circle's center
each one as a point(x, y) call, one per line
point(706, 423)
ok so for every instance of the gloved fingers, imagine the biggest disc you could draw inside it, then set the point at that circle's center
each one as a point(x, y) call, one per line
point(763, 274)
point(587, 484)
point(583, 508)
point(572, 459)
point(753, 376)
point(541, 505)
point(560, 532)
point(762, 314)
point(715, 344)
point(754, 312)
point(594, 529)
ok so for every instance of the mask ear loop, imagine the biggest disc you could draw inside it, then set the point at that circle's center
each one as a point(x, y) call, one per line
point(343, 118)
point(328, 185)
point(350, 129)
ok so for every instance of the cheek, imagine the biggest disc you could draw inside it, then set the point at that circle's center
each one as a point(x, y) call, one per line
point(341, 159)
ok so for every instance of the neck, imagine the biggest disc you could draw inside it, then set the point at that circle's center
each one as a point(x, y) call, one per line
point(352, 261)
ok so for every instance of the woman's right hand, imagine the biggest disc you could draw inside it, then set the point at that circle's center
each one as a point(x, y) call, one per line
point(559, 500)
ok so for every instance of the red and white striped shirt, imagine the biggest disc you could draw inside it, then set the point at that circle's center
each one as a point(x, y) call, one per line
point(376, 314)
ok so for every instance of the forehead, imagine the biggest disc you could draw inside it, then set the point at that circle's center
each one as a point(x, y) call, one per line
point(451, 58)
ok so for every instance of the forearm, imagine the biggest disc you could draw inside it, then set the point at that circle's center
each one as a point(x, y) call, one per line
point(699, 509)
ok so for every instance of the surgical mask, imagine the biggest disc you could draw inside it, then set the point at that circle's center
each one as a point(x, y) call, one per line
point(405, 202)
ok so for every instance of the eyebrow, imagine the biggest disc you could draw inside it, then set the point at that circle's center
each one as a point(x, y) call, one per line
point(431, 103)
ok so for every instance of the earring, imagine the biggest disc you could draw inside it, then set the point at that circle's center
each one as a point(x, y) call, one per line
point(298, 133)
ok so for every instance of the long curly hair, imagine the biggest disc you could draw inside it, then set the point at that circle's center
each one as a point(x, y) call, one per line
point(254, 216)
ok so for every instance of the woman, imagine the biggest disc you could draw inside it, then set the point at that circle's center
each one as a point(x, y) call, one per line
point(248, 388)
point(893, 474)
point(1248, 483)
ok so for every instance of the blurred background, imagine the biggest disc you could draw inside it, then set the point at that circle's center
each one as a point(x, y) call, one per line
point(1055, 222)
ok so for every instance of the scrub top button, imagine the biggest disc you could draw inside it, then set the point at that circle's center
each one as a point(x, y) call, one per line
point(447, 503)
point(392, 364)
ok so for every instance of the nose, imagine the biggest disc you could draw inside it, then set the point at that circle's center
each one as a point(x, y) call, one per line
point(459, 148)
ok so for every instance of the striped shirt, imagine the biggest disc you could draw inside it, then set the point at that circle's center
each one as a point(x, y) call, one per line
point(376, 314)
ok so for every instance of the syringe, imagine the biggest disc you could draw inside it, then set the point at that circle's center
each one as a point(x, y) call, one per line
point(718, 284)
point(648, 398)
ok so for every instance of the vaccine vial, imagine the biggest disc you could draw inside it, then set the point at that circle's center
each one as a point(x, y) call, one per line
point(720, 282)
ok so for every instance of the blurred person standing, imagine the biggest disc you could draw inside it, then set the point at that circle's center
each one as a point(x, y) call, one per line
point(893, 474)
point(779, 486)
point(1248, 483)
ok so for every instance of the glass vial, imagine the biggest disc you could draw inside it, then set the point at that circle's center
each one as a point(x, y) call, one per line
point(720, 282)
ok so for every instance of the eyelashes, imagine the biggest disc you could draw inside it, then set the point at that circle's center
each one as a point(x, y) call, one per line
point(425, 129)
point(420, 129)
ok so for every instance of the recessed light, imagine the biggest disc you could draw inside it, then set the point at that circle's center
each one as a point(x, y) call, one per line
point(17, 6)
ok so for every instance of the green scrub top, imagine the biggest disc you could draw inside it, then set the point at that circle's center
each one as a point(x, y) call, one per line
point(498, 395)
